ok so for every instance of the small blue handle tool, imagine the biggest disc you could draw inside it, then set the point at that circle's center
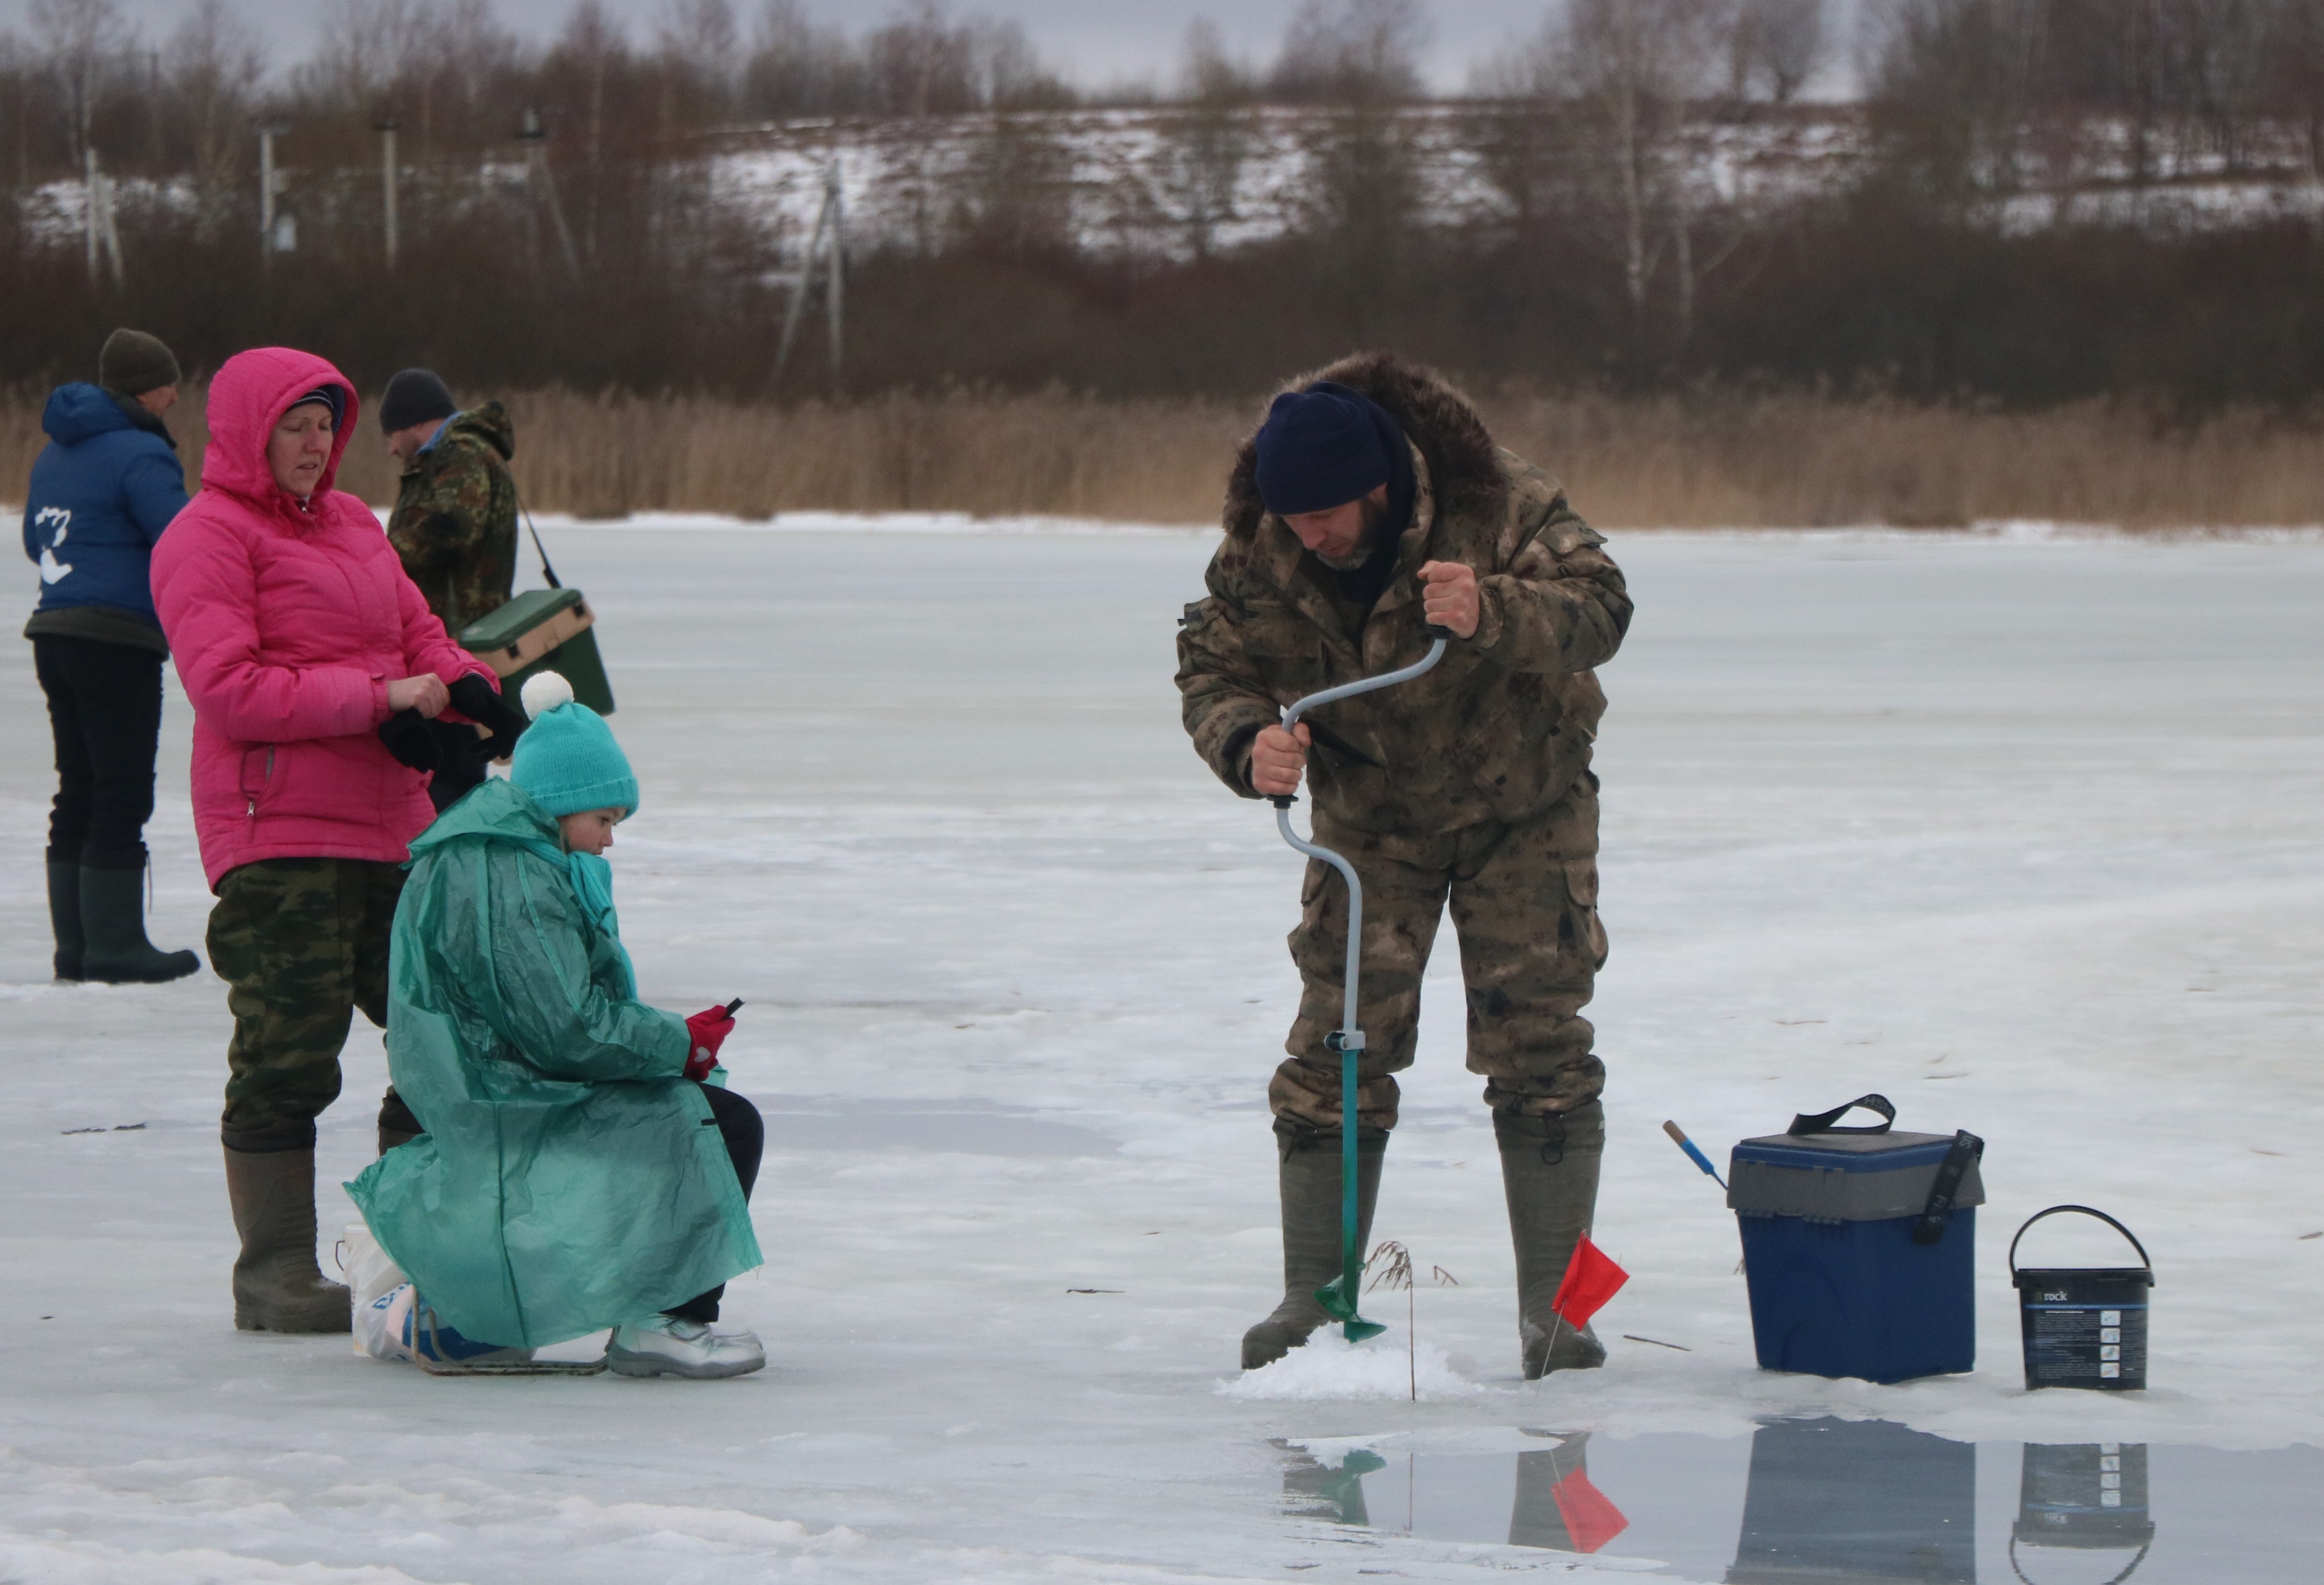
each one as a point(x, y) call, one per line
point(1678, 1137)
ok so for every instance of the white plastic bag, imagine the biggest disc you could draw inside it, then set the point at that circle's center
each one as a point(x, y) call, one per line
point(383, 1327)
point(372, 1276)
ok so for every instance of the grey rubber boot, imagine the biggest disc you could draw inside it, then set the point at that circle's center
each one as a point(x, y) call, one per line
point(1308, 1170)
point(64, 916)
point(277, 1287)
point(1549, 1169)
point(113, 929)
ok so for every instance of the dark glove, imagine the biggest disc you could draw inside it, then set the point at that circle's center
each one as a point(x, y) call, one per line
point(706, 1031)
point(475, 698)
point(406, 738)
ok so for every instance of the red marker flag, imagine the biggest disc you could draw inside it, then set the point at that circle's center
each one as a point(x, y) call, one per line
point(1591, 1520)
point(1590, 1279)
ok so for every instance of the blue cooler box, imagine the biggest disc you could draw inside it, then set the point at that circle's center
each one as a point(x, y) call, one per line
point(1837, 1285)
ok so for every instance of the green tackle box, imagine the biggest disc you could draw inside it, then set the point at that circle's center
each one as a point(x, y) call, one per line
point(543, 630)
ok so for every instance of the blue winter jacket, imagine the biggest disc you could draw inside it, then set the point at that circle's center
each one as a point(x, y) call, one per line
point(101, 492)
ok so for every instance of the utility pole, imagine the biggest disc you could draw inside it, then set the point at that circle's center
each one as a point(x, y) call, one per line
point(829, 244)
point(103, 233)
point(386, 125)
point(542, 184)
point(89, 202)
point(276, 233)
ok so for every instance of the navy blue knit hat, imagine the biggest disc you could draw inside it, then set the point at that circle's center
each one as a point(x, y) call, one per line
point(1319, 449)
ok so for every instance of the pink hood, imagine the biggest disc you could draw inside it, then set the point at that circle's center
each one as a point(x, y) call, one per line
point(287, 622)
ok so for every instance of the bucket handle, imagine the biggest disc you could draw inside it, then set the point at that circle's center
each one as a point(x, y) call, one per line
point(1825, 1122)
point(2145, 1547)
point(2145, 1259)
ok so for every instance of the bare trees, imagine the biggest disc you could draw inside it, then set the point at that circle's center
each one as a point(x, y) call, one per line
point(1351, 51)
point(213, 76)
point(1981, 98)
point(82, 41)
point(1206, 145)
point(1777, 45)
point(1633, 67)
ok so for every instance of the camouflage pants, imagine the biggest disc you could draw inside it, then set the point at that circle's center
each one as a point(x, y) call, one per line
point(301, 943)
point(1524, 905)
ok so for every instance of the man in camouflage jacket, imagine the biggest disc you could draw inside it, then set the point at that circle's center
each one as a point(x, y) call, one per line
point(454, 527)
point(1469, 786)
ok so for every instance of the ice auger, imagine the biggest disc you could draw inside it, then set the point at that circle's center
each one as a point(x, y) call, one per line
point(1338, 1296)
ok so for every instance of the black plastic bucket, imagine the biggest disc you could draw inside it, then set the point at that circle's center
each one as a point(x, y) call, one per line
point(2084, 1327)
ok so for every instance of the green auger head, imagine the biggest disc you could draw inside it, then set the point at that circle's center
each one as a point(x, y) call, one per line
point(1354, 1327)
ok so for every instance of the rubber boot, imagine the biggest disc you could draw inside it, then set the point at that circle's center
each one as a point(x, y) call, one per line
point(397, 1125)
point(1549, 1169)
point(277, 1286)
point(1308, 1169)
point(64, 915)
point(113, 927)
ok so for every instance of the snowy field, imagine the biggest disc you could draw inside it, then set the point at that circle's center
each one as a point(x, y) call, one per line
point(2024, 832)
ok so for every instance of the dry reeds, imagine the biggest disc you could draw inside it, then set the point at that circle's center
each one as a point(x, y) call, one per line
point(1728, 460)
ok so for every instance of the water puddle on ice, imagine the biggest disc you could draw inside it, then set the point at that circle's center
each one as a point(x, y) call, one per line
point(1841, 1503)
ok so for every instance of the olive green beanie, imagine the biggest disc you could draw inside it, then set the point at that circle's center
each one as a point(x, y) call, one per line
point(134, 363)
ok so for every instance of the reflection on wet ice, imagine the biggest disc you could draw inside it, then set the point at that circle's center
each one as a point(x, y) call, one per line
point(1858, 1500)
point(2089, 1497)
point(1838, 1503)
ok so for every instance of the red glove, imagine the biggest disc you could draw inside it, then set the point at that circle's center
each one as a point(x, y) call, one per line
point(706, 1031)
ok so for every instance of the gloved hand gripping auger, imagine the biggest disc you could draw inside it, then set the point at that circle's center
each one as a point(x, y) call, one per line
point(1338, 1296)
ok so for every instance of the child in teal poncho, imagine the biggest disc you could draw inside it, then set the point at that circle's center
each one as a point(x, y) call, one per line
point(576, 1172)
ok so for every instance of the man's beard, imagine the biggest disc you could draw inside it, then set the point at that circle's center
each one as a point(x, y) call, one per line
point(1368, 539)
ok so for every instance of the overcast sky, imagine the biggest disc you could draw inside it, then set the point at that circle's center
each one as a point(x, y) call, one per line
point(1094, 42)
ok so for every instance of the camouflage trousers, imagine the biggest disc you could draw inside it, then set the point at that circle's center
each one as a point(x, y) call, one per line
point(301, 943)
point(1525, 906)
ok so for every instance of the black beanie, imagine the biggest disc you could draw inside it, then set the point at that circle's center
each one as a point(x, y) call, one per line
point(415, 396)
point(1319, 449)
point(332, 397)
point(132, 363)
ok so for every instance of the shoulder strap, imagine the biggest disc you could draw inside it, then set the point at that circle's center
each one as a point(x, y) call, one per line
point(1931, 1226)
point(546, 572)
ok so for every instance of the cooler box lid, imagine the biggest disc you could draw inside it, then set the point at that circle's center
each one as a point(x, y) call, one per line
point(1842, 1177)
point(500, 629)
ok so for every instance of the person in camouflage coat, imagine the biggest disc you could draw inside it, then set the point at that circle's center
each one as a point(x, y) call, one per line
point(1469, 786)
point(454, 527)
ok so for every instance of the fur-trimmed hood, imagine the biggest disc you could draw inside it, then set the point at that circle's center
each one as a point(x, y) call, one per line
point(1464, 468)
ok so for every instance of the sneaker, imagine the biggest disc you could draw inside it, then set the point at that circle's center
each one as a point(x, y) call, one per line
point(666, 1345)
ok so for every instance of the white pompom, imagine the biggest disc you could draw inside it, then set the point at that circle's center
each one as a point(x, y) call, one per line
point(544, 692)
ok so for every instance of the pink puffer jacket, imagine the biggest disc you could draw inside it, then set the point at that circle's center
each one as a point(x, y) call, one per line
point(287, 623)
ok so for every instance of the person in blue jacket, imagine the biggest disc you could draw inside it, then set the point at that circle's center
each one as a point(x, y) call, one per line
point(102, 491)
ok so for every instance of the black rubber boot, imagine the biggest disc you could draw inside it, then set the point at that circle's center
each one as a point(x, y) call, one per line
point(64, 915)
point(1549, 1169)
point(277, 1287)
point(397, 1125)
point(113, 929)
point(1308, 1169)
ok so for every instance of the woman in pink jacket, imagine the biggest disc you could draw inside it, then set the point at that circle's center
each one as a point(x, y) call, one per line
point(307, 654)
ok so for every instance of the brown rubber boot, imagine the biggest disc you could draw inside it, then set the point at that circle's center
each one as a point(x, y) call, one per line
point(1308, 1170)
point(1549, 1169)
point(277, 1286)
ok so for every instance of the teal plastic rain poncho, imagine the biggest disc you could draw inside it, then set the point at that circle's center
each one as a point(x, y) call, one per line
point(570, 1178)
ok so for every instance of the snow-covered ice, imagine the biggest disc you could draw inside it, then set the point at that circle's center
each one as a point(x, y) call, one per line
point(2022, 831)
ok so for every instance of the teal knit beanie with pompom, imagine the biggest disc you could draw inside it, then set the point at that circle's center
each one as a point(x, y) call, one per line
point(567, 761)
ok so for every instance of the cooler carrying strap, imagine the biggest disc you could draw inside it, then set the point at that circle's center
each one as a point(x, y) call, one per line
point(2145, 1259)
point(1930, 1228)
point(1826, 1122)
